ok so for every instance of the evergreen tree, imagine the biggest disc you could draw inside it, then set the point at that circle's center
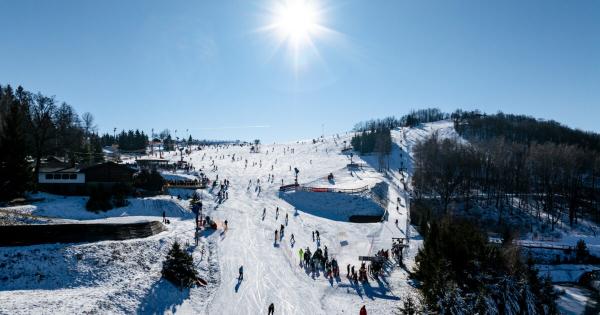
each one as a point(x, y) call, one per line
point(178, 268)
point(15, 171)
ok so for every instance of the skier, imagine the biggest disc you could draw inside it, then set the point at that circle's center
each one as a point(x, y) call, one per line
point(301, 254)
point(272, 309)
point(241, 276)
point(292, 239)
point(225, 225)
point(318, 236)
point(348, 271)
point(363, 310)
point(164, 217)
point(276, 213)
point(276, 231)
point(281, 231)
point(286, 219)
point(313, 236)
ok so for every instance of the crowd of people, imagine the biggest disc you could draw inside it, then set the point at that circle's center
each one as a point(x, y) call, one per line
point(314, 261)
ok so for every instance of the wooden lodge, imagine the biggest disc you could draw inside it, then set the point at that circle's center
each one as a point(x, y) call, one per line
point(79, 181)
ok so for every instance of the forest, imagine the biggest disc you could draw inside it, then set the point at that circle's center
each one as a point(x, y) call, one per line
point(33, 125)
point(127, 141)
point(512, 165)
point(508, 169)
point(461, 273)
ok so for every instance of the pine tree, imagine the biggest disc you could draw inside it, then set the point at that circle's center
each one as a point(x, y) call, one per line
point(409, 307)
point(178, 268)
point(15, 171)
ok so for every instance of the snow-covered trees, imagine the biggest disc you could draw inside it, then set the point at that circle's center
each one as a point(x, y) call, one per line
point(542, 178)
point(461, 273)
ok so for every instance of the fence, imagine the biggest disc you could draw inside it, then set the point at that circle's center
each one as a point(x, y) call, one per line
point(334, 190)
point(534, 244)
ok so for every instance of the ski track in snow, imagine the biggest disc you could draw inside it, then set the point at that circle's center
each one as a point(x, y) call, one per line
point(86, 278)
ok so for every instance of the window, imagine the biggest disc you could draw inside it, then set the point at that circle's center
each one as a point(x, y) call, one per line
point(73, 176)
point(65, 176)
point(48, 176)
point(56, 176)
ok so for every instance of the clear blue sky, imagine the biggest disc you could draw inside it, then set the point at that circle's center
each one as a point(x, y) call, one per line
point(206, 67)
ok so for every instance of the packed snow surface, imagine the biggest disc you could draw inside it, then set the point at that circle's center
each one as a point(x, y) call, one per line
point(124, 277)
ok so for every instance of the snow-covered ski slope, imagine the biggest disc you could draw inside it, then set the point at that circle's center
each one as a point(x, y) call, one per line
point(124, 277)
point(271, 272)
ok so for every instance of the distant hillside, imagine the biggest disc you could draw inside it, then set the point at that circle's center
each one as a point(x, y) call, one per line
point(521, 129)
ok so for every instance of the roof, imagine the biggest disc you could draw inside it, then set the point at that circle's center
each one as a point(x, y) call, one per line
point(59, 170)
point(110, 164)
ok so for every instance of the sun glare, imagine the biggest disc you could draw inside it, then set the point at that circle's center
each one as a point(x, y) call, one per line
point(296, 24)
point(296, 21)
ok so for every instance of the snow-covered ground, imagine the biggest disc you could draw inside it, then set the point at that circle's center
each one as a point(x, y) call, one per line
point(124, 276)
point(575, 300)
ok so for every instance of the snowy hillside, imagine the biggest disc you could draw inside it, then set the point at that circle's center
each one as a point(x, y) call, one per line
point(124, 276)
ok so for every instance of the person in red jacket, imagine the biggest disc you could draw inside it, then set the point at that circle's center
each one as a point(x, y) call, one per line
point(363, 310)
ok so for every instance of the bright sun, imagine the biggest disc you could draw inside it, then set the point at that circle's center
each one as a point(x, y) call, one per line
point(296, 21)
point(296, 24)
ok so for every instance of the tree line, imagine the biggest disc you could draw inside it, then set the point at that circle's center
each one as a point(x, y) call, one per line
point(127, 141)
point(377, 140)
point(413, 118)
point(33, 126)
point(521, 129)
point(547, 180)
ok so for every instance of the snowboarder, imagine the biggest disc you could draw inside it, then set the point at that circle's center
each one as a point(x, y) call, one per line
point(272, 309)
point(363, 310)
point(241, 276)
